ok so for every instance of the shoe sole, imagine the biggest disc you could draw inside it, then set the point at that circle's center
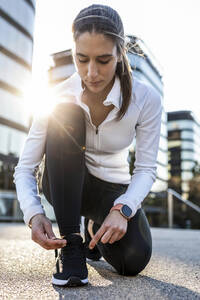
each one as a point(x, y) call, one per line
point(71, 282)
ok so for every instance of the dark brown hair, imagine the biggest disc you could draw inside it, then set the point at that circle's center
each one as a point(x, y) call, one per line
point(103, 19)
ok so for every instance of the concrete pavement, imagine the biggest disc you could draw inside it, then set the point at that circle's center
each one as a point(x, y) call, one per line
point(172, 273)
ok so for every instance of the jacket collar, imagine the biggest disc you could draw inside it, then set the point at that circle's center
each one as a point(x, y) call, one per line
point(73, 87)
point(114, 96)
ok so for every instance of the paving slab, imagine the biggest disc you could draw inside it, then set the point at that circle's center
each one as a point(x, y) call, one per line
point(172, 273)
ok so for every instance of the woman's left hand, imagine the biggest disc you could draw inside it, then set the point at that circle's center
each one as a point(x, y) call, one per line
point(113, 229)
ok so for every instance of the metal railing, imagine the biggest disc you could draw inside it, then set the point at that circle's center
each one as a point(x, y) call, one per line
point(172, 193)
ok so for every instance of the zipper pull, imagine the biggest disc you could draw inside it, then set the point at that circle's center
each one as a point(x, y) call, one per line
point(97, 130)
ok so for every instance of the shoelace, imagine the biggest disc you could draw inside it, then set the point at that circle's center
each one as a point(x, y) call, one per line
point(57, 261)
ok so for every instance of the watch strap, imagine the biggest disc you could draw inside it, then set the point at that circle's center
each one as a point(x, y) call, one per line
point(119, 208)
point(116, 207)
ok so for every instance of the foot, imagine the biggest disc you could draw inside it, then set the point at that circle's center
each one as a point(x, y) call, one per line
point(71, 269)
point(91, 254)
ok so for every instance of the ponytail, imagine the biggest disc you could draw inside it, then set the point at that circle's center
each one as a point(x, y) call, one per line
point(125, 75)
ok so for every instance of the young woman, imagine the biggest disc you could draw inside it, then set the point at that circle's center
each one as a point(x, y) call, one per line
point(85, 141)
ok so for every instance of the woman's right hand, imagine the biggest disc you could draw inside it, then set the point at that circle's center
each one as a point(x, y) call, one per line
point(42, 233)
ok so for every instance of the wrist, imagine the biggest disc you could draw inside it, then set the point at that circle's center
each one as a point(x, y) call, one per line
point(116, 213)
point(31, 219)
point(116, 207)
point(123, 209)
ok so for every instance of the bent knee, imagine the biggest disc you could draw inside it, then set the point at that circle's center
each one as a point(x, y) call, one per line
point(64, 107)
point(134, 264)
point(67, 113)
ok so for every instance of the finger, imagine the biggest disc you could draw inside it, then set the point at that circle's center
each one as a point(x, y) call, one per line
point(40, 237)
point(55, 243)
point(121, 234)
point(97, 237)
point(115, 237)
point(49, 231)
point(50, 244)
point(106, 237)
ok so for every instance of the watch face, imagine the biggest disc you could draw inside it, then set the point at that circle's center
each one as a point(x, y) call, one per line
point(126, 210)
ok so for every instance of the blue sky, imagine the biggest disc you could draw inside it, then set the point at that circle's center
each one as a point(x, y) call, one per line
point(170, 28)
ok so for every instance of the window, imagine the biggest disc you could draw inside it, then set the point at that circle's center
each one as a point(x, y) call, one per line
point(187, 155)
point(15, 41)
point(14, 74)
point(12, 141)
point(13, 108)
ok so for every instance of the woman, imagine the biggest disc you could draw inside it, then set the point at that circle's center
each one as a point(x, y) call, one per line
point(85, 141)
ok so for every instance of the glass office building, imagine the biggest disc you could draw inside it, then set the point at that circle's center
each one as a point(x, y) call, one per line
point(63, 67)
point(184, 165)
point(16, 47)
point(184, 149)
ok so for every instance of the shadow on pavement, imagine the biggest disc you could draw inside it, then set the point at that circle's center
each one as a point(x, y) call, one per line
point(125, 287)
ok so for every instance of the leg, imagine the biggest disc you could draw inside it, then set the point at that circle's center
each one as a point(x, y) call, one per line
point(65, 165)
point(130, 255)
point(62, 185)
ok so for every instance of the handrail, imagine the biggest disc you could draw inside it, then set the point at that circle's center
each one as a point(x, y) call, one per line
point(189, 203)
point(172, 193)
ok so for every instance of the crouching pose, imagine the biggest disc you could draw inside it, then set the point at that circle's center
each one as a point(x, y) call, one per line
point(85, 143)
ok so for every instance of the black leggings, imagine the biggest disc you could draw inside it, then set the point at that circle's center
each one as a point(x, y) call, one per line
point(73, 192)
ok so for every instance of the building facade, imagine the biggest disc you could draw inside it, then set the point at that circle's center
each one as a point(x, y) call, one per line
point(63, 67)
point(16, 48)
point(184, 149)
point(184, 165)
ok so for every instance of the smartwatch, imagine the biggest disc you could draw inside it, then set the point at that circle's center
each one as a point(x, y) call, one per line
point(126, 211)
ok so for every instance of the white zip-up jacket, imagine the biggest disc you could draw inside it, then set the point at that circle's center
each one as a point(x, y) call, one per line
point(107, 146)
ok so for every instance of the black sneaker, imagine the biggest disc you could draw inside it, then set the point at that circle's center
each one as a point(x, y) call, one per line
point(72, 260)
point(91, 254)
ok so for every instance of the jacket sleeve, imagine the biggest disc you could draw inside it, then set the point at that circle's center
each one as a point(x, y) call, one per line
point(25, 171)
point(147, 143)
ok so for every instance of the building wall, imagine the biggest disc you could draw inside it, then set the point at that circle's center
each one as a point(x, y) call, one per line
point(16, 48)
point(184, 149)
point(63, 67)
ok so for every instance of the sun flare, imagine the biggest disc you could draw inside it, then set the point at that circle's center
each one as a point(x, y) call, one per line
point(39, 99)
